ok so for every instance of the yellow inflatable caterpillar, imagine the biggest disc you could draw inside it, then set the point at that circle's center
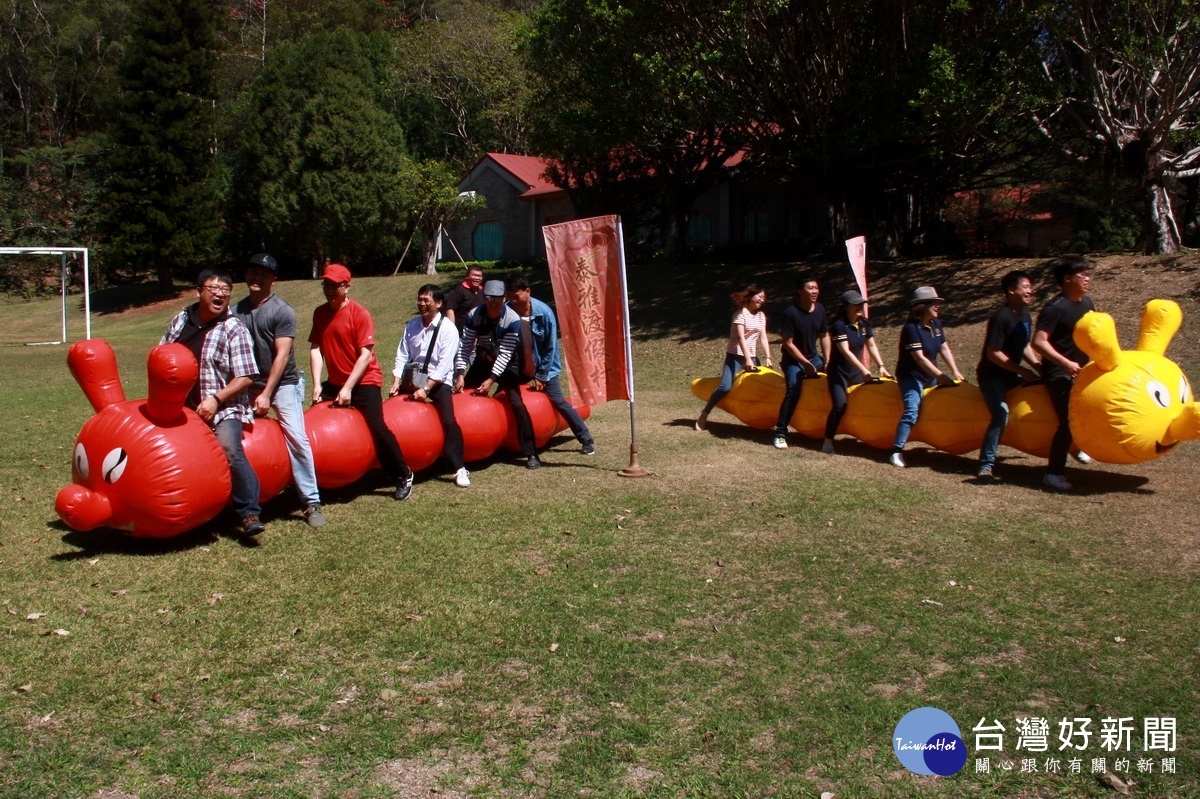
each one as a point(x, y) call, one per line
point(1127, 406)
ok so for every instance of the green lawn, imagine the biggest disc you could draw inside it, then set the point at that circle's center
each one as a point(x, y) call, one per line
point(746, 622)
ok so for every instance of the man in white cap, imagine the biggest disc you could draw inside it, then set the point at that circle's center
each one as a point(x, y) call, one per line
point(486, 358)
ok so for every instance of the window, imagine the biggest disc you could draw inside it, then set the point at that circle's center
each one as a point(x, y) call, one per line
point(755, 219)
point(700, 229)
point(488, 241)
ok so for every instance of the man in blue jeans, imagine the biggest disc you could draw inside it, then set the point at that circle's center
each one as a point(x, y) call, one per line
point(1006, 342)
point(806, 349)
point(538, 350)
point(225, 354)
point(272, 325)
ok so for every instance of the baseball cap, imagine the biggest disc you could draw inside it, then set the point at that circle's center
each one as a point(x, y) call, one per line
point(493, 288)
point(337, 273)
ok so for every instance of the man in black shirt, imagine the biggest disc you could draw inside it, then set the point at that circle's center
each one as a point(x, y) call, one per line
point(1053, 338)
point(464, 298)
point(806, 348)
point(1005, 344)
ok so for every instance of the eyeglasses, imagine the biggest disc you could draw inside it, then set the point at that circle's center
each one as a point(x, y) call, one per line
point(218, 291)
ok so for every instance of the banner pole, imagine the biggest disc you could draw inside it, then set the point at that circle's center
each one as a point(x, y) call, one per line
point(634, 469)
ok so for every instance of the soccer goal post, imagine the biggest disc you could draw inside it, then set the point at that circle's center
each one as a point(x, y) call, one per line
point(63, 253)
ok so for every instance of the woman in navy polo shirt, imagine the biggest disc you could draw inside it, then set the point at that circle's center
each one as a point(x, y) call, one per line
point(853, 339)
point(921, 341)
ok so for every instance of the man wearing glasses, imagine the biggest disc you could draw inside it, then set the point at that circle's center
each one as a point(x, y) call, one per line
point(225, 353)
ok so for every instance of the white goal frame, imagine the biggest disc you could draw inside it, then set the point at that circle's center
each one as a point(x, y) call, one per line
point(62, 252)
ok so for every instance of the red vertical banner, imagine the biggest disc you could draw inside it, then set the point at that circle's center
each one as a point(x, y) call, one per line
point(589, 293)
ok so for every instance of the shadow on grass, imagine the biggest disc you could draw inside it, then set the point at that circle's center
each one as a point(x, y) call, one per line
point(118, 299)
point(1027, 472)
point(106, 541)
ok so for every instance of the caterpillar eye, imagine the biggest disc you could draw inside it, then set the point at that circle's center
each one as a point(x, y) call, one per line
point(114, 465)
point(1159, 393)
point(81, 462)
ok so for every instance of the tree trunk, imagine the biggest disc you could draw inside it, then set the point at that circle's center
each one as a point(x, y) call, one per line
point(676, 243)
point(162, 267)
point(429, 248)
point(1191, 211)
point(1162, 234)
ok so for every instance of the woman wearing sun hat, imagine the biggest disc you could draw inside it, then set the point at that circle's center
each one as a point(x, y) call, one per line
point(921, 341)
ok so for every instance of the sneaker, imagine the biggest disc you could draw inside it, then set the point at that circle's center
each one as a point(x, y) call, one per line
point(1057, 482)
point(1082, 457)
point(827, 447)
point(533, 462)
point(701, 423)
point(589, 448)
point(313, 515)
point(985, 474)
point(462, 478)
point(404, 487)
point(780, 442)
point(252, 525)
point(897, 460)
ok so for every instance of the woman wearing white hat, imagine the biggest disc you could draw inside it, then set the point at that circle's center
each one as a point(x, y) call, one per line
point(921, 341)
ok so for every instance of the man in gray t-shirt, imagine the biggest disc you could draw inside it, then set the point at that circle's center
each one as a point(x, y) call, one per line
point(272, 325)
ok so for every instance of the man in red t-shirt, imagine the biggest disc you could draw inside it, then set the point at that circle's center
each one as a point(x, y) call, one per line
point(343, 340)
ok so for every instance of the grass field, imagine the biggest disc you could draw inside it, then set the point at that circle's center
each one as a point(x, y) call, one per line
point(746, 622)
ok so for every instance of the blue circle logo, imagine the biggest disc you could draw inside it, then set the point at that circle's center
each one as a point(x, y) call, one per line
point(927, 741)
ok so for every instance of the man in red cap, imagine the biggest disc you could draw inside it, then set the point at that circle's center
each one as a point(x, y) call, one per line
point(343, 339)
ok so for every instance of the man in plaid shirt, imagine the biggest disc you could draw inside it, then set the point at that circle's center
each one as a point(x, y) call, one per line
point(225, 352)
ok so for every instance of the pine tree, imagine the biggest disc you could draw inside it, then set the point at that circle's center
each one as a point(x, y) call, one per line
point(160, 204)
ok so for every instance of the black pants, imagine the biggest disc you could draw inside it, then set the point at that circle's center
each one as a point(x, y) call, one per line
point(511, 383)
point(368, 400)
point(1060, 445)
point(837, 395)
point(442, 398)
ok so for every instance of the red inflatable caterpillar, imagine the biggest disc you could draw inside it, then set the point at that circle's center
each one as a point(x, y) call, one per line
point(153, 469)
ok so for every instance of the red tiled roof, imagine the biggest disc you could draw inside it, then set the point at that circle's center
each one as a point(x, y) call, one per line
point(529, 170)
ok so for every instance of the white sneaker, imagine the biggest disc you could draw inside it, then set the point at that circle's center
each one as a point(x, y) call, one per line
point(1082, 457)
point(897, 460)
point(462, 478)
point(1057, 482)
point(827, 447)
point(780, 442)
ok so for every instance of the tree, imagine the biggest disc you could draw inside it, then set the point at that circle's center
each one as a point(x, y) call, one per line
point(317, 173)
point(431, 189)
point(1124, 78)
point(621, 104)
point(57, 59)
point(883, 108)
point(464, 82)
point(160, 199)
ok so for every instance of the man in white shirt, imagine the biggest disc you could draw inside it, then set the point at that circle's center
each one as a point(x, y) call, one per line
point(427, 350)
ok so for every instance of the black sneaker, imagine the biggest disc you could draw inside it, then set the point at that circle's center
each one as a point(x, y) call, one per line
point(404, 487)
point(589, 448)
point(252, 525)
point(533, 462)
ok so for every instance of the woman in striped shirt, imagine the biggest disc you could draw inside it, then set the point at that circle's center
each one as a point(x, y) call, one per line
point(747, 335)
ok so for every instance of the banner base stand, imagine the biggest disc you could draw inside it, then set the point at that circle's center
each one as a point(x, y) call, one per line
point(634, 469)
